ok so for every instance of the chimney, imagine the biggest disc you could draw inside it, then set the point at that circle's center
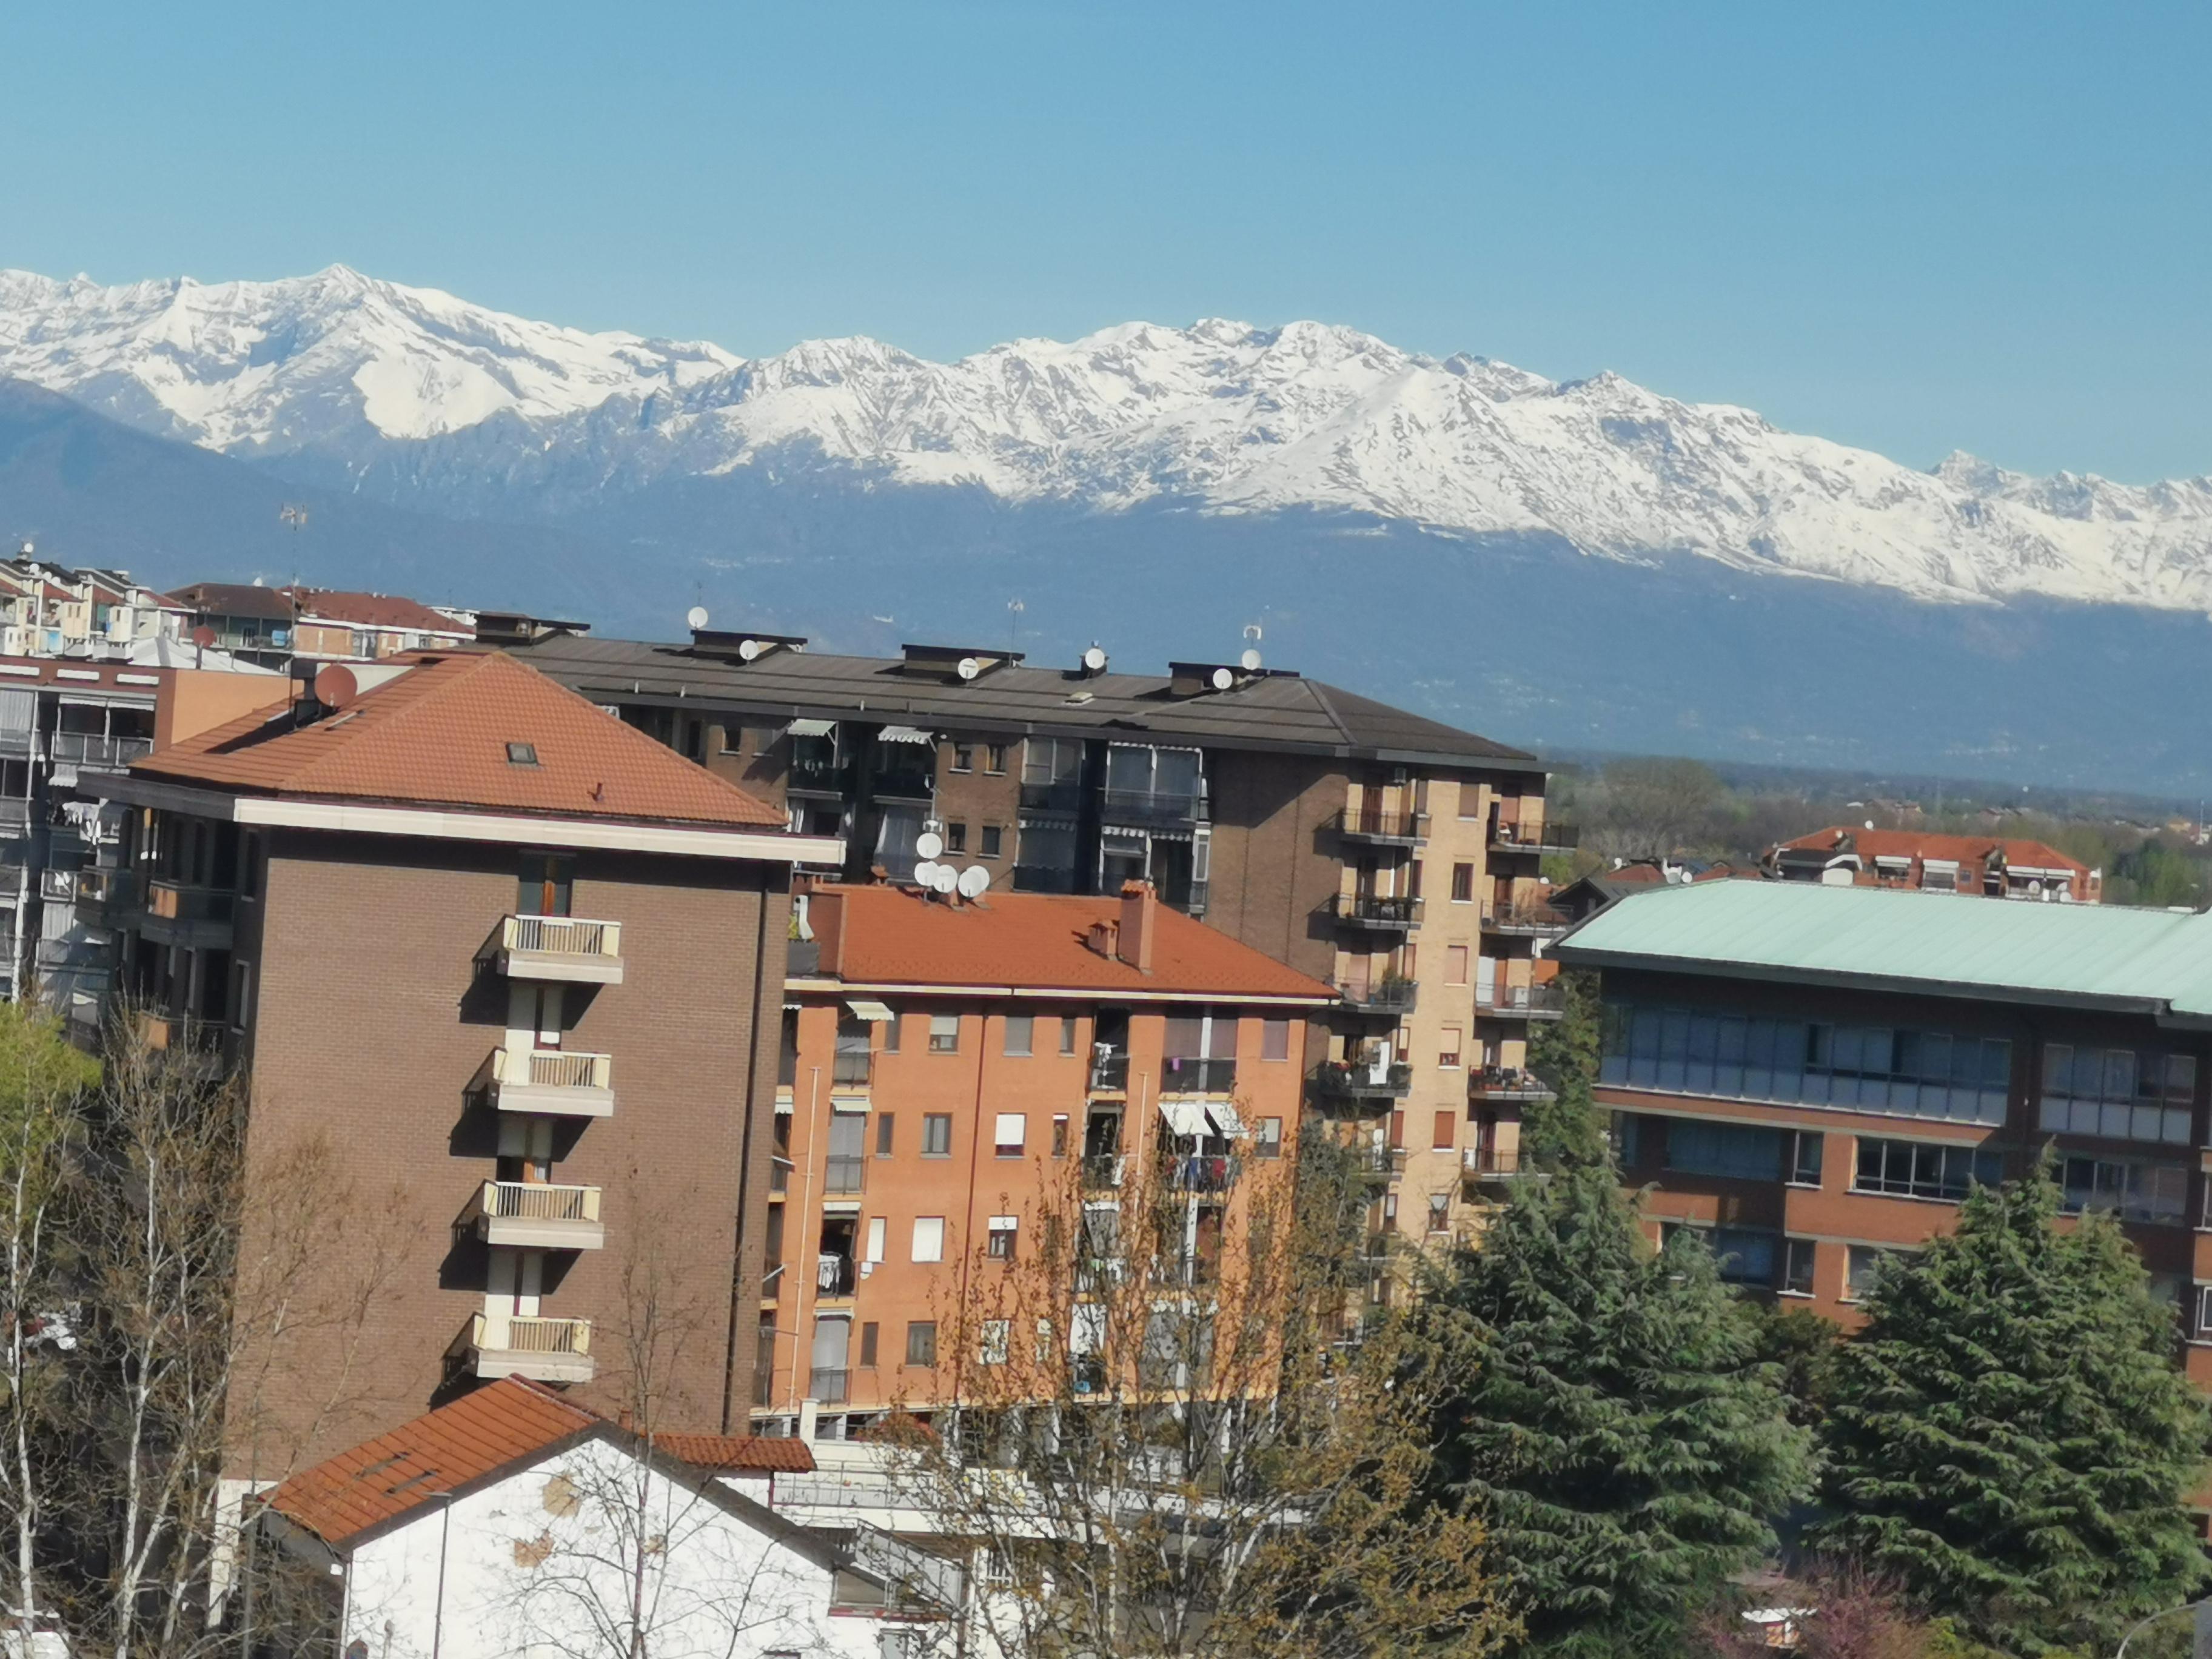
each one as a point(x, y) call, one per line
point(1102, 939)
point(825, 917)
point(1140, 925)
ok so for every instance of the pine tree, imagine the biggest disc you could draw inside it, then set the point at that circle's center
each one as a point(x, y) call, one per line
point(2009, 1436)
point(1619, 1438)
point(1567, 1130)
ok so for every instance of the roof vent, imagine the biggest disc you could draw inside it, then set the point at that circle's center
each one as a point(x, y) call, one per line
point(742, 645)
point(955, 663)
point(513, 627)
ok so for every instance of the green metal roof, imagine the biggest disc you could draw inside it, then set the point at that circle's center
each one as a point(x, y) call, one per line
point(1891, 938)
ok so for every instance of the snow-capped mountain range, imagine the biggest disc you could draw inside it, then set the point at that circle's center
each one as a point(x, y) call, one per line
point(422, 400)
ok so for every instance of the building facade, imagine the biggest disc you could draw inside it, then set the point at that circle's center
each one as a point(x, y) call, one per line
point(1983, 867)
point(272, 626)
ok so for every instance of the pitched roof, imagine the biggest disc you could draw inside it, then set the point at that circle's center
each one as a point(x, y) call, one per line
point(437, 734)
point(747, 1453)
point(376, 611)
point(1902, 938)
point(237, 600)
point(894, 936)
point(1927, 844)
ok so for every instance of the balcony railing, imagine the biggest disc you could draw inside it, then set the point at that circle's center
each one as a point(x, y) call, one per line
point(1383, 1160)
point(1375, 910)
point(196, 1044)
point(1065, 796)
point(1389, 996)
point(183, 913)
point(843, 1174)
point(1103, 1171)
point(828, 1384)
point(520, 1344)
point(1043, 879)
point(1202, 1172)
point(1504, 1083)
point(820, 777)
point(1522, 1001)
point(1537, 838)
point(559, 948)
point(1522, 921)
point(834, 1274)
point(1109, 1075)
point(852, 1068)
point(563, 1081)
point(1198, 1077)
point(1493, 1164)
point(1161, 806)
point(95, 749)
point(906, 780)
point(535, 1215)
point(1362, 1079)
point(1373, 824)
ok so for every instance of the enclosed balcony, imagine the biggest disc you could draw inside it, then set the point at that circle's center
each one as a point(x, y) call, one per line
point(1384, 913)
point(1364, 1078)
point(559, 1081)
point(567, 950)
point(1372, 826)
point(186, 914)
point(1521, 1002)
point(517, 1344)
point(534, 1215)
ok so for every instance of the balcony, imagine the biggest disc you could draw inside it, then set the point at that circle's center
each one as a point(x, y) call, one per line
point(1504, 1083)
point(96, 751)
point(1394, 998)
point(559, 1081)
point(1064, 797)
point(533, 1216)
point(1390, 914)
point(1166, 808)
point(843, 1174)
point(1383, 1163)
point(1201, 1172)
point(1539, 838)
point(517, 1344)
point(1104, 1171)
point(182, 913)
point(1522, 921)
point(1521, 1002)
point(565, 949)
point(196, 1045)
point(1356, 1080)
point(1484, 1165)
point(812, 776)
point(1198, 1077)
point(834, 1274)
point(1371, 826)
point(909, 773)
point(1109, 1075)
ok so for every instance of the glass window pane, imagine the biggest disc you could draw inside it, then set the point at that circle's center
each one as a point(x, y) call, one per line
point(2058, 1068)
point(2119, 1073)
point(2180, 1078)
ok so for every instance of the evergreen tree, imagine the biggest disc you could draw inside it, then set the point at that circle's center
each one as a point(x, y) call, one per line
point(1567, 1131)
point(2009, 1436)
point(1619, 1438)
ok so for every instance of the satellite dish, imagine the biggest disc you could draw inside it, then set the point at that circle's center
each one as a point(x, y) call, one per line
point(969, 667)
point(1095, 659)
point(925, 873)
point(202, 636)
point(747, 649)
point(335, 686)
point(696, 616)
point(1251, 661)
point(929, 843)
point(944, 878)
point(1223, 679)
point(972, 881)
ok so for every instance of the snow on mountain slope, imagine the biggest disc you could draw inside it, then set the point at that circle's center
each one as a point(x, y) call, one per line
point(398, 388)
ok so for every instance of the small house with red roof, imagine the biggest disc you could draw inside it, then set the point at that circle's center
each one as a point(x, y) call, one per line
point(1984, 867)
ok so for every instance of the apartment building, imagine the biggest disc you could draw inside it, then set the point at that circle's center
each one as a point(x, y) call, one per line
point(272, 626)
point(1392, 856)
point(1815, 1075)
point(49, 609)
point(954, 1071)
point(520, 967)
point(1984, 866)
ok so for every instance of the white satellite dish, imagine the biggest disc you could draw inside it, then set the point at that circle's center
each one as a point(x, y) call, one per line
point(1251, 661)
point(1095, 659)
point(747, 649)
point(925, 873)
point(929, 843)
point(944, 878)
point(973, 880)
point(1223, 679)
point(969, 667)
point(696, 616)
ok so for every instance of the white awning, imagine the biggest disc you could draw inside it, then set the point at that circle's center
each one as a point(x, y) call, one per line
point(1950, 865)
point(1224, 1117)
point(863, 1009)
point(1185, 1117)
point(904, 734)
point(848, 1102)
point(810, 728)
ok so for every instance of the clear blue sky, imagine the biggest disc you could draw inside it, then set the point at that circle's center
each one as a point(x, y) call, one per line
point(1907, 226)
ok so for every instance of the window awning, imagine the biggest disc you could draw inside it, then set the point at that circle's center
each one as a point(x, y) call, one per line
point(1225, 1120)
point(904, 734)
point(1185, 1117)
point(1940, 866)
point(863, 1009)
point(810, 728)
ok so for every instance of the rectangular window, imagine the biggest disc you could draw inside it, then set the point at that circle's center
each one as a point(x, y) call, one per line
point(1397, 1131)
point(1448, 1046)
point(1445, 1133)
point(2137, 1192)
point(994, 757)
point(1797, 1267)
point(1745, 1255)
point(1067, 1034)
point(1439, 1213)
point(1807, 1145)
point(937, 1134)
point(2117, 1094)
point(1274, 1039)
point(1011, 1131)
point(1267, 1142)
point(1865, 1262)
point(929, 1238)
point(1060, 1134)
point(956, 837)
point(945, 1033)
point(921, 1342)
point(1021, 1030)
point(868, 1345)
point(993, 839)
point(891, 1030)
point(1919, 1168)
point(877, 1228)
point(1462, 883)
point(994, 1344)
point(1001, 1238)
point(1738, 1152)
point(1456, 960)
point(964, 757)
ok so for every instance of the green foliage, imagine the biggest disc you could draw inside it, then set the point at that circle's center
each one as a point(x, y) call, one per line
point(2009, 1436)
point(1804, 1349)
point(1619, 1438)
point(1567, 1132)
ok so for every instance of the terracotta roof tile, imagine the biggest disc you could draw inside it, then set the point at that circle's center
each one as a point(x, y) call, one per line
point(374, 610)
point(1914, 843)
point(438, 735)
point(893, 935)
point(724, 1454)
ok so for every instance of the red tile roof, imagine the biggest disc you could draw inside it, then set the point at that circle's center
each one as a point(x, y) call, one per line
point(437, 736)
point(374, 610)
point(502, 1425)
point(1916, 843)
point(893, 936)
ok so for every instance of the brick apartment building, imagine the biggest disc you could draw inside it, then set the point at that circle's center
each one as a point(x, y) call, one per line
point(509, 955)
point(1816, 1074)
point(1392, 856)
point(272, 626)
point(1986, 866)
point(954, 1071)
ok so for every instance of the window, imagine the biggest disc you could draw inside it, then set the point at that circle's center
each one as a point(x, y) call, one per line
point(1920, 1168)
point(1744, 1255)
point(2138, 1192)
point(731, 739)
point(996, 1333)
point(921, 1342)
point(1067, 1034)
point(993, 836)
point(994, 757)
point(1806, 1147)
point(1439, 1213)
point(937, 1134)
point(1397, 1131)
point(1448, 1045)
point(1389, 1209)
point(1797, 1267)
point(1267, 1141)
point(945, 1033)
point(1455, 964)
point(868, 1345)
point(1060, 1134)
point(2203, 1331)
point(956, 837)
point(964, 757)
point(1865, 1262)
point(1462, 883)
point(1445, 1132)
point(522, 754)
point(877, 1228)
point(1274, 1039)
point(892, 1033)
point(884, 1122)
point(1007, 1138)
point(1001, 1238)
point(1470, 802)
point(2119, 1094)
point(929, 1238)
point(544, 885)
point(1736, 1150)
point(1020, 1030)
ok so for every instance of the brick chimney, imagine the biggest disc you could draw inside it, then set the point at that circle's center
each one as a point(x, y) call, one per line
point(1140, 925)
point(1103, 938)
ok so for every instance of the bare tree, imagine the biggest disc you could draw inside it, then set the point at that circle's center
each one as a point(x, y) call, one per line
point(1163, 1437)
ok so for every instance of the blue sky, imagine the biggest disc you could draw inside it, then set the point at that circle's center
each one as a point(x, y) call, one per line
point(1910, 227)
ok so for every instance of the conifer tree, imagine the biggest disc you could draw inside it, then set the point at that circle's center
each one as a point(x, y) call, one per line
point(2009, 1436)
point(1568, 1129)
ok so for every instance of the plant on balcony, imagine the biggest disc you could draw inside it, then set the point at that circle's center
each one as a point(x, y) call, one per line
point(2010, 1435)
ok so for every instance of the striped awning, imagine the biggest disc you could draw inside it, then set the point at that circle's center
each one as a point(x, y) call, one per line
point(904, 734)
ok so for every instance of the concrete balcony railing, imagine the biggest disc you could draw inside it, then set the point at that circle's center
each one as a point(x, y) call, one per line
point(517, 1344)
point(566, 949)
point(185, 914)
point(563, 1082)
point(534, 1215)
point(1521, 1002)
point(1387, 913)
point(1372, 826)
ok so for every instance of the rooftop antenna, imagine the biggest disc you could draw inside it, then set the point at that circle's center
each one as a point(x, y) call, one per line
point(1250, 660)
point(1014, 609)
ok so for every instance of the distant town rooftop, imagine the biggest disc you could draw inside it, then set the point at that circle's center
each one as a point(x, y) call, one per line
point(390, 611)
point(1924, 844)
